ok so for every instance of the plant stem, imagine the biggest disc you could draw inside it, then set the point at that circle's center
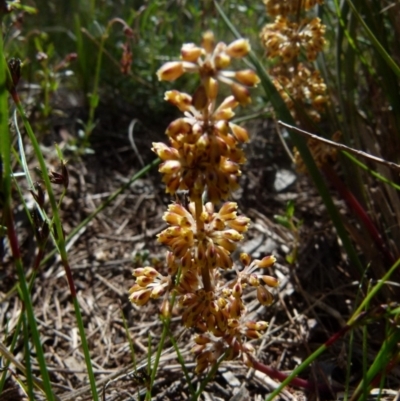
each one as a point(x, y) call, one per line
point(60, 241)
point(205, 272)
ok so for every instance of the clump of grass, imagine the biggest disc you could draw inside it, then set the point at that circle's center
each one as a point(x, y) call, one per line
point(358, 120)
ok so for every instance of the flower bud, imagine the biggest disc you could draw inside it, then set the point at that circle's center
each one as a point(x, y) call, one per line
point(222, 61)
point(270, 281)
point(190, 52)
point(241, 223)
point(201, 339)
point(226, 244)
point(208, 42)
point(221, 321)
point(139, 297)
point(235, 309)
point(247, 77)
point(264, 296)
point(242, 95)
point(158, 291)
point(252, 334)
point(179, 126)
point(238, 48)
point(265, 262)
point(144, 281)
point(224, 260)
point(245, 258)
point(170, 71)
point(179, 99)
point(200, 100)
point(228, 210)
point(165, 308)
point(237, 290)
point(169, 167)
point(164, 152)
point(260, 325)
point(232, 235)
point(240, 133)
point(211, 86)
point(230, 167)
point(38, 195)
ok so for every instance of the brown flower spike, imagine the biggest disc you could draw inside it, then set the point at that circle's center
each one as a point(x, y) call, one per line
point(294, 41)
point(203, 157)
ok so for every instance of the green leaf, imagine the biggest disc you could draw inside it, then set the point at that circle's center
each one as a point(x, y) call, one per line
point(290, 209)
point(283, 221)
point(93, 99)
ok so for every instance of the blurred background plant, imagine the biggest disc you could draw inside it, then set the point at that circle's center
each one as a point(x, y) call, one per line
point(349, 114)
point(115, 68)
point(338, 76)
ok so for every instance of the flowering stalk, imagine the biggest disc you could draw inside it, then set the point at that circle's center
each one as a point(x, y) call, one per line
point(203, 159)
point(294, 41)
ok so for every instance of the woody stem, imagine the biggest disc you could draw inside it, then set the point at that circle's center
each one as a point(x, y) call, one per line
point(205, 272)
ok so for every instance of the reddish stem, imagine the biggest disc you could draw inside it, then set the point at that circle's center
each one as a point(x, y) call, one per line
point(392, 363)
point(309, 385)
point(15, 96)
point(70, 279)
point(12, 235)
point(302, 383)
point(359, 211)
point(280, 376)
point(337, 335)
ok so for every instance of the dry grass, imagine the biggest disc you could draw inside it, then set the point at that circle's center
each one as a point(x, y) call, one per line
point(312, 302)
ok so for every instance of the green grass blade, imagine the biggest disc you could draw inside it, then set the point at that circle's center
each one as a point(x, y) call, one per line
point(27, 352)
point(372, 172)
point(61, 246)
point(385, 55)
point(130, 341)
point(209, 376)
point(379, 365)
point(182, 362)
point(350, 322)
point(5, 152)
point(164, 334)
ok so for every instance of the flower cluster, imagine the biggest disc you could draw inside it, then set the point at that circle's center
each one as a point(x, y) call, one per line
point(286, 7)
point(300, 85)
point(321, 152)
point(204, 158)
point(287, 39)
point(204, 149)
point(210, 61)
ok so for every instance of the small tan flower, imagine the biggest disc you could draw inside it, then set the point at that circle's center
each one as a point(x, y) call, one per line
point(210, 61)
point(250, 276)
point(212, 245)
point(149, 284)
point(231, 342)
point(322, 153)
point(285, 39)
point(301, 87)
point(204, 152)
